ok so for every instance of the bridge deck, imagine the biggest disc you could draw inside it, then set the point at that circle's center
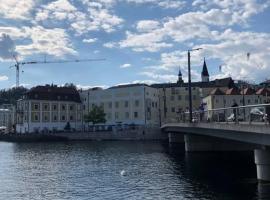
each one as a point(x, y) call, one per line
point(250, 133)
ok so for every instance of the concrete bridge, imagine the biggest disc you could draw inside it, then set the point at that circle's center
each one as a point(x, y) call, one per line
point(225, 137)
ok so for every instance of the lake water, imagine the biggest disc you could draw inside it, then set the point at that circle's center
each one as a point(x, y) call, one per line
point(92, 170)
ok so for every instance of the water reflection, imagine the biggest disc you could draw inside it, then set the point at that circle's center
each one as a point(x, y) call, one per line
point(91, 170)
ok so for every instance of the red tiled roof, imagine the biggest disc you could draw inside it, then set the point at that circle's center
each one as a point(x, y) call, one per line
point(232, 91)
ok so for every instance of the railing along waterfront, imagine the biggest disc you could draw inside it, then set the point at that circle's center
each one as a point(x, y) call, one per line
point(250, 114)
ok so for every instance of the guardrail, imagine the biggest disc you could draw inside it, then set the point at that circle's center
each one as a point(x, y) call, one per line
point(259, 114)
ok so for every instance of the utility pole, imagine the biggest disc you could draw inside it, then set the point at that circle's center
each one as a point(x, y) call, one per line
point(189, 89)
point(189, 84)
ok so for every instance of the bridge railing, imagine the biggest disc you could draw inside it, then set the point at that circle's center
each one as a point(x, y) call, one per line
point(259, 113)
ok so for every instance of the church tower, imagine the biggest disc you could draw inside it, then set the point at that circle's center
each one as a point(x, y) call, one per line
point(205, 74)
point(180, 78)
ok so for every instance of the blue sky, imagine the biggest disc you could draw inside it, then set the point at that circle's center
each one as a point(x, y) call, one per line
point(142, 40)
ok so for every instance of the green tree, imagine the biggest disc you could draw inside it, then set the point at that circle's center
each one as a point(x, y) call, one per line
point(96, 115)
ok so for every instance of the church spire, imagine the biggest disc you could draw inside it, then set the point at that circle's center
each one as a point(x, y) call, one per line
point(205, 74)
point(180, 79)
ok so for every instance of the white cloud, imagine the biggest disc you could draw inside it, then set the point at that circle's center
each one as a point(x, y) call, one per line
point(3, 78)
point(7, 47)
point(147, 25)
point(150, 41)
point(90, 40)
point(54, 41)
point(127, 65)
point(171, 4)
point(166, 4)
point(110, 45)
point(94, 17)
point(14, 9)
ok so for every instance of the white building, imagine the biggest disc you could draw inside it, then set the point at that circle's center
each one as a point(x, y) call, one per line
point(7, 117)
point(49, 108)
point(219, 99)
point(136, 104)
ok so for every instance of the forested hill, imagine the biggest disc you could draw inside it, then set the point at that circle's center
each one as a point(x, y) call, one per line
point(11, 95)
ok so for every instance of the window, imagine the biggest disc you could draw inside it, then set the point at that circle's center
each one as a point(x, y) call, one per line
point(71, 118)
point(127, 115)
point(256, 100)
point(116, 104)
point(54, 107)
point(137, 103)
point(110, 104)
point(116, 115)
point(186, 88)
point(45, 107)
point(153, 104)
point(172, 98)
point(36, 106)
point(46, 118)
point(71, 107)
point(36, 117)
point(179, 97)
point(173, 109)
point(248, 101)
point(126, 104)
point(63, 117)
point(135, 114)
point(54, 118)
point(63, 107)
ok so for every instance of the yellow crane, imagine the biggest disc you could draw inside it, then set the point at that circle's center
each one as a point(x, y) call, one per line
point(18, 64)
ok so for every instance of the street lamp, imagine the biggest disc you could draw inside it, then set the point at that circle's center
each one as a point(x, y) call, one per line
point(189, 84)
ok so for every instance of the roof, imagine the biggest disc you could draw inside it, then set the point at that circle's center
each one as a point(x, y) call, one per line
point(225, 82)
point(232, 91)
point(205, 70)
point(263, 91)
point(53, 93)
point(217, 91)
point(247, 91)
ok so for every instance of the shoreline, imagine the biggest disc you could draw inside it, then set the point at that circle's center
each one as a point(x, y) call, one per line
point(153, 134)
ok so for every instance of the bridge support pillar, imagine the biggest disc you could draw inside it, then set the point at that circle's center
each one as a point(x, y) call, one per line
point(262, 161)
point(176, 138)
point(195, 143)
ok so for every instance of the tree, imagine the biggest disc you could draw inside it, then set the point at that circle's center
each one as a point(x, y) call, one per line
point(96, 115)
point(11, 95)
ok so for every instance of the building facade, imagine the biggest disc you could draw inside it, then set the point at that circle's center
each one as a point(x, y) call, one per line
point(49, 108)
point(7, 117)
point(174, 97)
point(125, 104)
point(219, 99)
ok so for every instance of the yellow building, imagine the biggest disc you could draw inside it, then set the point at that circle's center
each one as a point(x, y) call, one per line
point(49, 108)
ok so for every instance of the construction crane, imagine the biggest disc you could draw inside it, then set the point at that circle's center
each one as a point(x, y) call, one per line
point(19, 64)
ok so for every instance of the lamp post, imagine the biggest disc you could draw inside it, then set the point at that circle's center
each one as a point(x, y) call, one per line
point(189, 84)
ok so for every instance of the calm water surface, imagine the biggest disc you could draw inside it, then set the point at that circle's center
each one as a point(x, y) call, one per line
point(91, 170)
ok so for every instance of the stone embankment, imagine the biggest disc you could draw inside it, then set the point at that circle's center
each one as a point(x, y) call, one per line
point(128, 134)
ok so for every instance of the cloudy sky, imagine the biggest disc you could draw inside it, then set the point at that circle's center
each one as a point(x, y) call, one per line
point(141, 40)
